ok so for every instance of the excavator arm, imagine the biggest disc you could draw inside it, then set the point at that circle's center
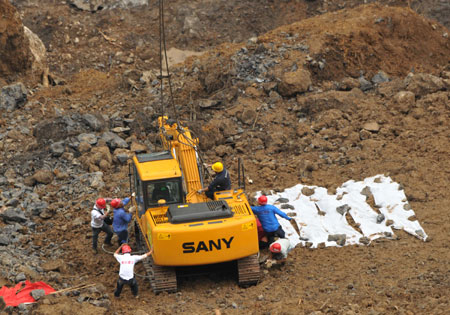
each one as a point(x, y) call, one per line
point(178, 140)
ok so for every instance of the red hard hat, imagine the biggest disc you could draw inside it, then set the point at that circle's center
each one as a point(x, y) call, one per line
point(262, 200)
point(275, 248)
point(101, 203)
point(115, 203)
point(126, 249)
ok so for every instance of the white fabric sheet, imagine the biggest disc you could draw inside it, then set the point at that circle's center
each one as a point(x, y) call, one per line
point(317, 217)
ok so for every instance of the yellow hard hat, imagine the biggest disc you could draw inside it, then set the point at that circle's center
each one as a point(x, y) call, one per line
point(217, 167)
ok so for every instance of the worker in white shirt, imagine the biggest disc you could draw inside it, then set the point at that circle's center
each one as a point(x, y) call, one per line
point(279, 250)
point(100, 221)
point(126, 272)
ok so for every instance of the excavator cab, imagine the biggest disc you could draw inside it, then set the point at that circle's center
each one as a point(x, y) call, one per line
point(164, 192)
point(156, 179)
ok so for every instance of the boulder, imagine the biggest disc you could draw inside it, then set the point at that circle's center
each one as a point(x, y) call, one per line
point(308, 191)
point(422, 83)
point(316, 103)
point(57, 149)
point(84, 147)
point(54, 265)
point(222, 150)
point(96, 180)
point(380, 218)
point(20, 277)
point(37, 294)
point(87, 137)
point(13, 215)
point(138, 148)
point(348, 84)
point(15, 55)
point(343, 209)
point(371, 126)
point(122, 155)
point(94, 122)
point(91, 6)
point(13, 96)
point(365, 85)
point(4, 240)
point(294, 82)
point(43, 176)
point(38, 51)
point(114, 141)
point(248, 116)
point(340, 239)
point(404, 101)
point(380, 77)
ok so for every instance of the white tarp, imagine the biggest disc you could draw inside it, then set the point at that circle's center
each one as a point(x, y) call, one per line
point(376, 206)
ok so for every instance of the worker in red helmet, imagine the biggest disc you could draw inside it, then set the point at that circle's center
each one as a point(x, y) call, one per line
point(266, 215)
point(126, 272)
point(121, 218)
point(280, 249)
point(99, 222)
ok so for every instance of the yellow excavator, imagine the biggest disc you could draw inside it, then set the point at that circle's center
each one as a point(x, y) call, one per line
point(182, 226)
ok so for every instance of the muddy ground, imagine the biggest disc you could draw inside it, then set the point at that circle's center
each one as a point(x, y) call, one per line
point(240, 102)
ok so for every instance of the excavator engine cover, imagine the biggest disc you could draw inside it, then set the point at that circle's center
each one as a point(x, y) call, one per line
point(199, 211)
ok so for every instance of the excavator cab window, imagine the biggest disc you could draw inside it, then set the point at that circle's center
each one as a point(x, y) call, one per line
point(168, 190)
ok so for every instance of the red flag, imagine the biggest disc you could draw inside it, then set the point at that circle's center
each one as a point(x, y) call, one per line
point(21, 292)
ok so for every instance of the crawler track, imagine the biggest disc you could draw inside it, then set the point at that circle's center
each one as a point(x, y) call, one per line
point(162, 279)
point(248, 270)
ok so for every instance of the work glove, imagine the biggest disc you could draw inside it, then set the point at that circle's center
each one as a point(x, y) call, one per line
point(133, 194)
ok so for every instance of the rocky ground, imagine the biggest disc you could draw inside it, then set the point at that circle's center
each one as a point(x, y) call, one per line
point(313, 92)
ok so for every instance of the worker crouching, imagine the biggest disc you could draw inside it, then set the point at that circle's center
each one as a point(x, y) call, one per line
point(126, 272)
point(279, 250)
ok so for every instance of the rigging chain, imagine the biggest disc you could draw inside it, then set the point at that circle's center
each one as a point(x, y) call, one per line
point(162, 49)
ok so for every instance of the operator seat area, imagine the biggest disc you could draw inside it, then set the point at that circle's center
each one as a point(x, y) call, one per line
point(161, 191)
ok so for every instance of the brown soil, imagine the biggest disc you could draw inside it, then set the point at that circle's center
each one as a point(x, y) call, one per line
point(327, 147)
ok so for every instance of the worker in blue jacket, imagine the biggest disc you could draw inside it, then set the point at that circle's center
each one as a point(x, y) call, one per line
point(121, 219)
point(266, 215)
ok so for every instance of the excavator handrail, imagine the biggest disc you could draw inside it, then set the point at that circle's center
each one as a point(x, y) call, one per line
point(241, 182)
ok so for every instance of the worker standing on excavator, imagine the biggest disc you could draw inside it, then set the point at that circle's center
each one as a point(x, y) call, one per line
point(221, 181)
point(266, 215)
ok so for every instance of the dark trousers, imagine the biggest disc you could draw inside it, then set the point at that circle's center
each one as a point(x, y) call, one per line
point(210, 194)
point(132, 283)
point(96, 231)
point(278, 233)
point(123, 237)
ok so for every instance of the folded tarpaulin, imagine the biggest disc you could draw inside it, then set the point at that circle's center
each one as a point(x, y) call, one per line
point(21, 292)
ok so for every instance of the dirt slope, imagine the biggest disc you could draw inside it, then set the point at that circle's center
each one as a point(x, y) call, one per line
point(352, 121)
